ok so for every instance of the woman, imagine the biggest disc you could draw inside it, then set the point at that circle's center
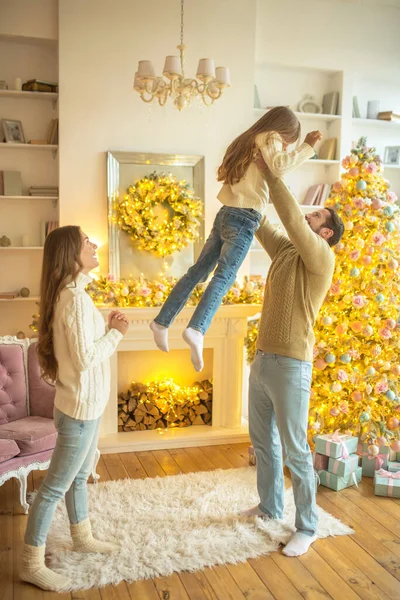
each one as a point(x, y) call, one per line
point(74, 350)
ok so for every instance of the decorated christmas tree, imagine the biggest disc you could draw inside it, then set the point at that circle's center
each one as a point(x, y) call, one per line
point(356, 354)
point(357, 348)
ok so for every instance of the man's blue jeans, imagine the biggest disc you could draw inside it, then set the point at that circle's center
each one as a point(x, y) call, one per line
point(69, 470)
point(226, 249)
point(279, 395)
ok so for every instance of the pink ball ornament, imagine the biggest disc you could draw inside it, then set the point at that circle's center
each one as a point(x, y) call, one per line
point(353, 159)
point(334, 412)
point(337, 186)
point(393, 264)
point(395, 369)
point(349, 225)
point(110, 294)
point(356, 396)
point(320, 364)
point(392, 423)
point(354, 172)
point(390, 323)
point(370, 250)
point(366, 260)
point(395, 446)
point(376, 204)
point(382, 441)
point(368, 331)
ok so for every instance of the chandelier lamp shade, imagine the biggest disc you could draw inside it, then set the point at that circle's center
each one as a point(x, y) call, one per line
point(208, 85)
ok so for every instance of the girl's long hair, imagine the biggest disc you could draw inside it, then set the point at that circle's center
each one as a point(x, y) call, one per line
point(240, 153)
point(61, 265)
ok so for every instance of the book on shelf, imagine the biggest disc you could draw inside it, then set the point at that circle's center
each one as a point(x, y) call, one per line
point(1, 183)
point(8, 295)
point(388, 115)
point(330, 103)
point(45, 228)
point(38, 142)
point(356, 108)
point(52, 134)
point(37, 85)
point(43, 191)
point(316, 195)
point(327, 150)
point(12, 183)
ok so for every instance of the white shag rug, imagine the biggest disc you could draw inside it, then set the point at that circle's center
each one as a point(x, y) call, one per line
point(167, 524)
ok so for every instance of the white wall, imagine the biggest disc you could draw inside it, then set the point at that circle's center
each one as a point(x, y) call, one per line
point(99, 46)
point(334, 34)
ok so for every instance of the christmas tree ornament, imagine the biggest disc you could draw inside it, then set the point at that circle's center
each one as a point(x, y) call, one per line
point(395, 446)
point(392, 423)
point(373, 450)
point(361, 185)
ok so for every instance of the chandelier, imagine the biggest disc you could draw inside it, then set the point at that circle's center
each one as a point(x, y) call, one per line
point(209, 83)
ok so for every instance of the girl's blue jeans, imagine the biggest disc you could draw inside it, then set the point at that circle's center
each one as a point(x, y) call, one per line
point(225, 249)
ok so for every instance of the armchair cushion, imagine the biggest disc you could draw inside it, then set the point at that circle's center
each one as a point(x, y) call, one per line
point(8, 449)
point(41, 393)
point(12, 383)
point(32, 434)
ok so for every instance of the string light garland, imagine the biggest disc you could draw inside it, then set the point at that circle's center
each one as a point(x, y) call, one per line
point(182, 214)
point(356, 353)
point(142, 293)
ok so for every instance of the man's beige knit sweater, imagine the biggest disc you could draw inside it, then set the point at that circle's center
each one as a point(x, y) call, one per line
point(298, 280)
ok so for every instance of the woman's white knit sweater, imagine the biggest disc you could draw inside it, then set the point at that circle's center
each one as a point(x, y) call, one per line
point(82, 349)
point(252, 190)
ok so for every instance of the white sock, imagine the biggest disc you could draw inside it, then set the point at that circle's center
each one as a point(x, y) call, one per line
point(299, 544)
point(33, 570)
point(195, 340)
point(253, 512)
point(160, 334)
point(83, 540)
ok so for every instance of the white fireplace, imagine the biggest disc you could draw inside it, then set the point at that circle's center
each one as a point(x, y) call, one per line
point(224, 364)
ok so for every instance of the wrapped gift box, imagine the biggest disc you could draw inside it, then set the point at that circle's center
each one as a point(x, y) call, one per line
point(343, 466)
point(387, 484)
point(320, 461)
point(336, 445)
point(334, 482)
point(370, 464)
point(393, 466)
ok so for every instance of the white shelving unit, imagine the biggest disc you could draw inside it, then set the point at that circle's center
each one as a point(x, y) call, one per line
point(287, 85)
point(27, 57)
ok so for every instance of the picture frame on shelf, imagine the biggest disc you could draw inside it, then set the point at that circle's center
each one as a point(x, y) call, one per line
point(309, 105)
point(13, 131)
point(392, 155)
point(257, 102)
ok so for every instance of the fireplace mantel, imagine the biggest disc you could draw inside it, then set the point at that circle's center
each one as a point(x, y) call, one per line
point(226, 337)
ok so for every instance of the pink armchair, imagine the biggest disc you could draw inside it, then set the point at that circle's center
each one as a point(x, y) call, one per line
point(27, 432)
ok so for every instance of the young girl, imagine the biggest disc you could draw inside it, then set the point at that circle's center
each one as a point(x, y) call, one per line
point(244, 195)
point(74, 351)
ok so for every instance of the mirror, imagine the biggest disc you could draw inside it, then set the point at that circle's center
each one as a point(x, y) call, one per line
point(124, 169)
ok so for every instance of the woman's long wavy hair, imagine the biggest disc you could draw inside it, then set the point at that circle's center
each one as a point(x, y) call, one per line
point(61, 265)
point(240, 153)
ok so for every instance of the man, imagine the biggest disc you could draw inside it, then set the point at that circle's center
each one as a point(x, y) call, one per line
point(280, 380)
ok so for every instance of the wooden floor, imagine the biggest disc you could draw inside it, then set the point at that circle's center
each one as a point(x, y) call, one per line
point(365, 565)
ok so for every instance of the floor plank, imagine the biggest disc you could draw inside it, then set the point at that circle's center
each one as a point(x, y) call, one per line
point(167, 462)
point(249, 582)
point(132, 465)
point(223, 583)
point(300, 577)
point(274, 579)
point(197, 586)
point(170, 588)
point(145, 590)
point(150, 464)
point(115, 467)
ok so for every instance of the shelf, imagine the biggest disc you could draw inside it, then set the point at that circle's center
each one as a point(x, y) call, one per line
point(305, 116)
point(25, 39)
point(31, 95)
point(11, 146)
point(377, 123)
point(390, 166)
point(19, 248)
point(20, 299)
point(53, 198)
